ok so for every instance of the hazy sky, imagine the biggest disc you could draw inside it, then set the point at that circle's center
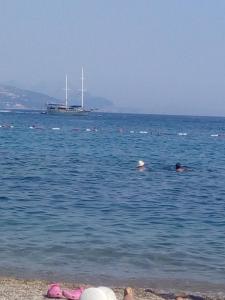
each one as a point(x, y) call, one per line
point(156, 56)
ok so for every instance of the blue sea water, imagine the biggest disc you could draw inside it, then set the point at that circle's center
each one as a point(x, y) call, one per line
point(73, 204)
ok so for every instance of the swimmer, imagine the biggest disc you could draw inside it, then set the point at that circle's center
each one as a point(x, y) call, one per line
point(141, 165)
point(180, 168)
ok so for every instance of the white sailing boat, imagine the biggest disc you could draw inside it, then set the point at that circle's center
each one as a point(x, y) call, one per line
point(77, 110)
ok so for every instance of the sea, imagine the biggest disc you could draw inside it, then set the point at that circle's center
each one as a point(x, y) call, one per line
point(74, 205)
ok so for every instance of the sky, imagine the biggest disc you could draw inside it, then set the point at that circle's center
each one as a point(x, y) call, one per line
point(147, 56)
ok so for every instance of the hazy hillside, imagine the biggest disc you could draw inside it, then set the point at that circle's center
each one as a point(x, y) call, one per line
point(12, 97)
point(16, 98)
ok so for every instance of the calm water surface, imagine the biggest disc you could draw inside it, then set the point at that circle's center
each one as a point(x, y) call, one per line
point(73, 203)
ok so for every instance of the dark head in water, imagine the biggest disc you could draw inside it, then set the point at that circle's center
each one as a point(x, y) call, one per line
point(180, 168)
point(178, 165)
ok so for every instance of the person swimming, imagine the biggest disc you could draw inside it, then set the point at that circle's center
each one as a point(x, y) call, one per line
point(141, 165)
point(180, 168)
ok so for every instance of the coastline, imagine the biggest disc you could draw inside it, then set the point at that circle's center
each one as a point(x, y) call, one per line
point(29, 289)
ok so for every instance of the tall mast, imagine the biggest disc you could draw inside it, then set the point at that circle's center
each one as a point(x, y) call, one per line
point(66, 93)
point(82, 88)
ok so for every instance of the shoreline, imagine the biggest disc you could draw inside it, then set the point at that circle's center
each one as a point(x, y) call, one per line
point(99, 279)
point(28, 289)
point(170, 284)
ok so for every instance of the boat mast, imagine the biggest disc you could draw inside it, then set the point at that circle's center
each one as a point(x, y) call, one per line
point(82, 88)
point(66, 93)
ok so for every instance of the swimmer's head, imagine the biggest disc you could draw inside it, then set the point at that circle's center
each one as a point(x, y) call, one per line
point(178, 166)
point(140, 164)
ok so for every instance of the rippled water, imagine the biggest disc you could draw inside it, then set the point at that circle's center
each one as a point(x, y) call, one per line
point(73, 203)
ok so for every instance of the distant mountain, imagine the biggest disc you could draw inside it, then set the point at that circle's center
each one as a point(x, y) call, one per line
point(16, 98)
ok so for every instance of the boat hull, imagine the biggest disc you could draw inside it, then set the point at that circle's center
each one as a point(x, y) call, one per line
point(59, 109)
point(68, 113)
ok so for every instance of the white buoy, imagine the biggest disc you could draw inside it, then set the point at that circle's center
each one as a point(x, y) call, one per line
point(142, 131)
point(93, 294)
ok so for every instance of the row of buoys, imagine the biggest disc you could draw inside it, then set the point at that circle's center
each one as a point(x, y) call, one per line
point(120, 130)
point(6, 126)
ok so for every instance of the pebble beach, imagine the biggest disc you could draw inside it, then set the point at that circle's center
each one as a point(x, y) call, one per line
point(19, 289)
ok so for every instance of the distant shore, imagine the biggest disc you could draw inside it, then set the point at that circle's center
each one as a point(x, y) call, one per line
point(13, 289)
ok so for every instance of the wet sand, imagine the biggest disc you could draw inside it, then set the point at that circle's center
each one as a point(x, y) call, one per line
point(18, 289)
